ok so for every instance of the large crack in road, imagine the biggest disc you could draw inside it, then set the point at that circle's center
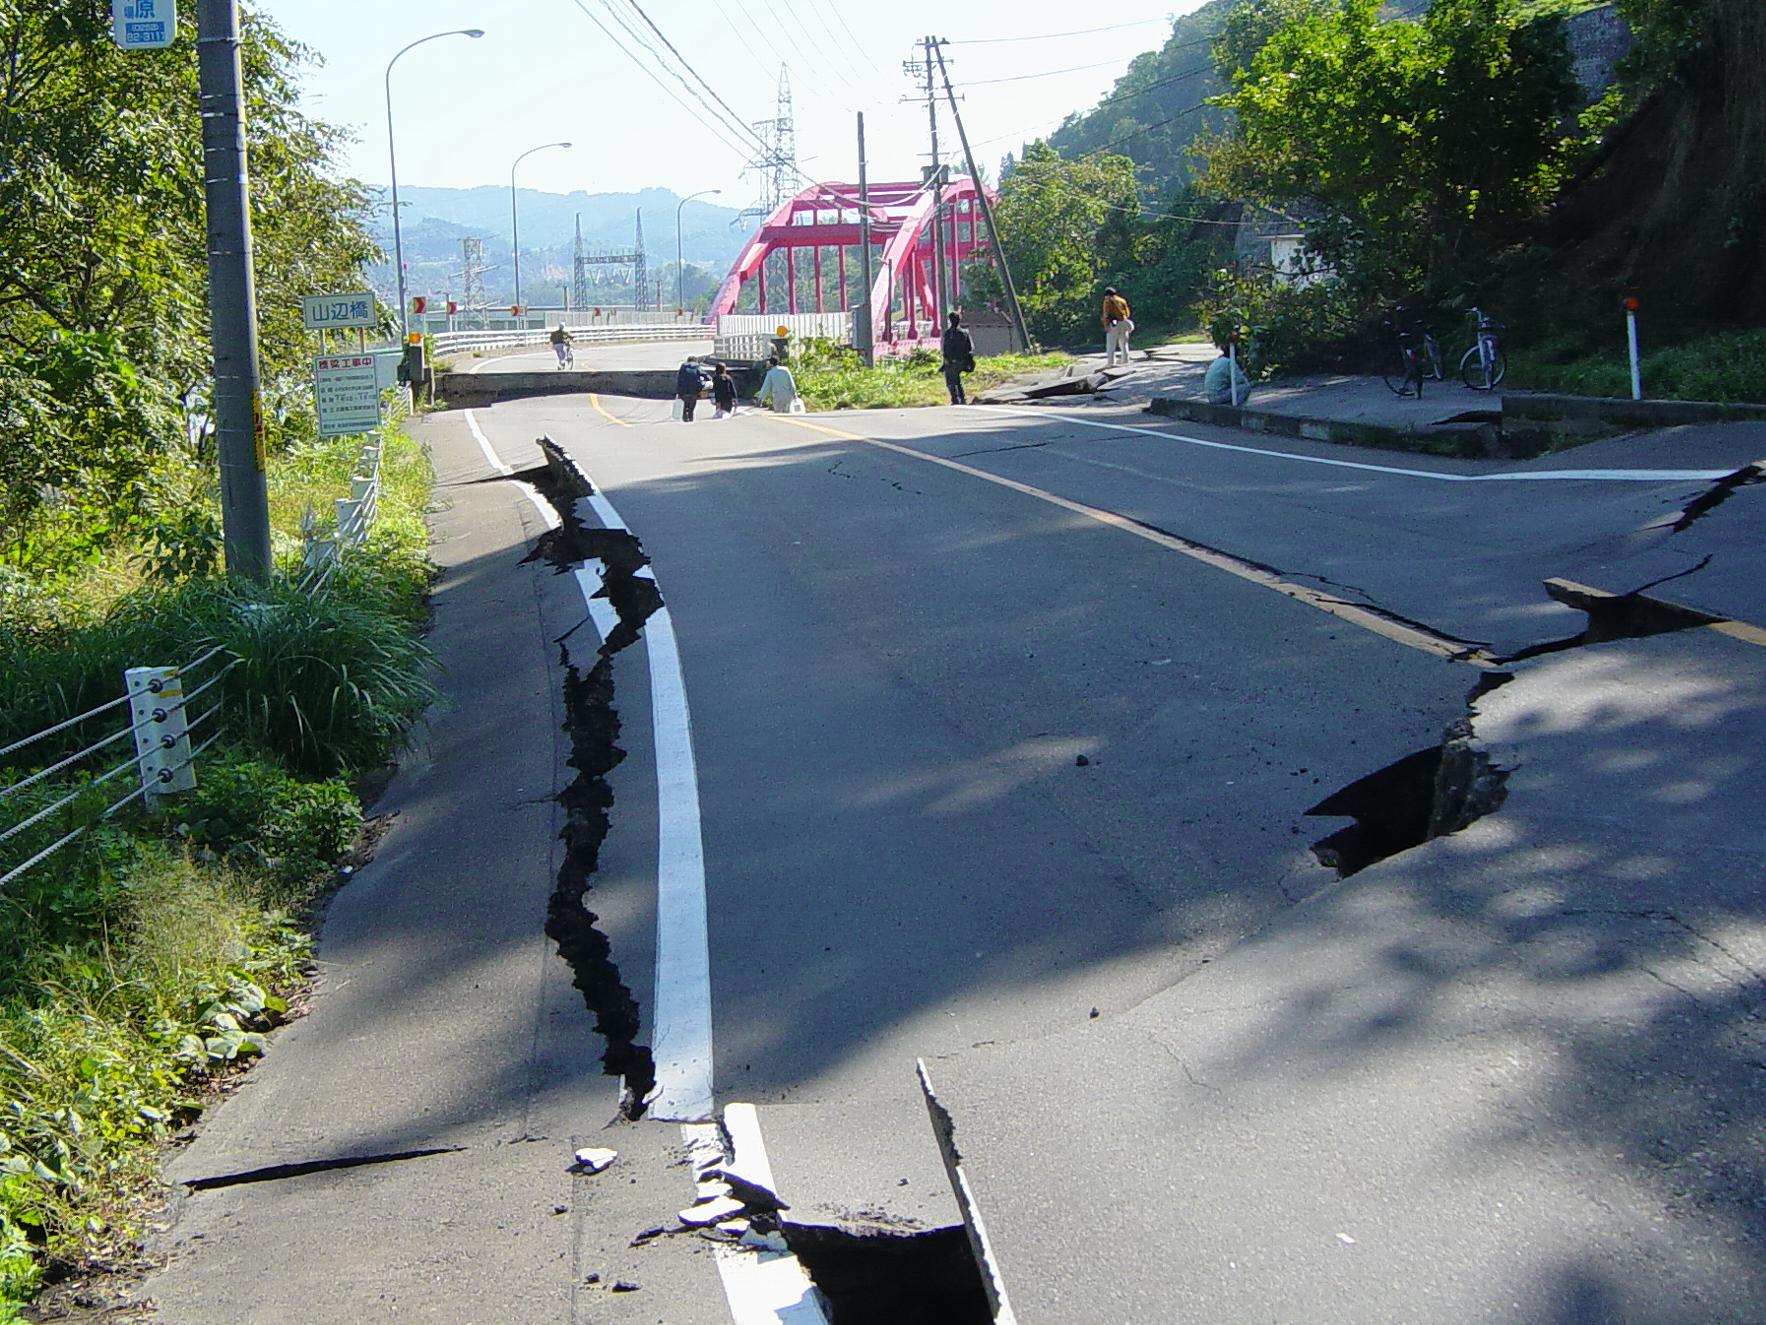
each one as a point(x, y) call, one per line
point(592, 723)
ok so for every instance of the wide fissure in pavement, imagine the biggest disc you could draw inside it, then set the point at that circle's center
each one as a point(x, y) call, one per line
point(1427, 794)
point(922, 1277)
point(591, 720)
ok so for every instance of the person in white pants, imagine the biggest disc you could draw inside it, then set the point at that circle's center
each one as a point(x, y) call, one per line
point(1117, 327)
point(778, 389)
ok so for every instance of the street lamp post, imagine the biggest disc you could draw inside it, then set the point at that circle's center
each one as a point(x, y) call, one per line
point(680, 268)
point(398, 243)
point(515, 214)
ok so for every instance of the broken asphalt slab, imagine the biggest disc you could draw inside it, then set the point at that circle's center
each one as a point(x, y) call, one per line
point(1513, 1074)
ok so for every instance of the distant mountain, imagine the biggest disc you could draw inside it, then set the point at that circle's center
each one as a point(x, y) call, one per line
point(436, 220)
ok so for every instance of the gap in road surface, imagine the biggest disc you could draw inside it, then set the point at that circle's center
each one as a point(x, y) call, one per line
point(923, 1277)
point(1428, 794)
point(592, 722)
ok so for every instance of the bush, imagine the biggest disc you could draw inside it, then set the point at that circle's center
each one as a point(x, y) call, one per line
point(1285, 328)
point(252, 812)
point(831, 376)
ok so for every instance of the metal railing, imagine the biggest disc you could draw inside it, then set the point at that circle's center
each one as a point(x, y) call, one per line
point(454, 342)
point(163, 755)
point(321, 556)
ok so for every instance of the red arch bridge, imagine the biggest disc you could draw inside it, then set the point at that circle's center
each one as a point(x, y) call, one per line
point(817, 233)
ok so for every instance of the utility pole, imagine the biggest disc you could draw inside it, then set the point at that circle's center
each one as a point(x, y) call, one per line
point(864, 327)
point(233, 320)
point(940, 296)
point(993, 239)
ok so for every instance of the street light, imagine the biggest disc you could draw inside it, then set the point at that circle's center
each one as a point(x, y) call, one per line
point(515, 214)
point(398, 244)
point(680, 268)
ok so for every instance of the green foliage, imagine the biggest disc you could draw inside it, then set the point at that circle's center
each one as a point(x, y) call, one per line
point(1729, 367)
point(1282, 328)
point(248, 811)
point(830, 376)
point(1417, 148)
point(1063, 225)
point(108, 1028)
point(1159, 106)
point(103, 331)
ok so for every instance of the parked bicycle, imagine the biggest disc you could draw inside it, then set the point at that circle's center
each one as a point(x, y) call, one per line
point(1407, 355)
point(1484, 365)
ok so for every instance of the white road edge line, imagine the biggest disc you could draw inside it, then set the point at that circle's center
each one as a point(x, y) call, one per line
point(544, 507)
point(761, 1288)
point(1511, 476)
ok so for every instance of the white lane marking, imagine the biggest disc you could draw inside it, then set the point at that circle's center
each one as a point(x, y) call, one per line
point(762, 1287)
point(591, 578)
point(540, 504)
point(1513, 476)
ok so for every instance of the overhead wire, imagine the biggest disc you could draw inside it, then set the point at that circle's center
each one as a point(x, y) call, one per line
point(719, 133)
point(1051, 36)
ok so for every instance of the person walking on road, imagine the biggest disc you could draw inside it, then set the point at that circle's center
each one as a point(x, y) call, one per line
point(689, 384)
point(779, 389)
point(959, 358)
point(1117, 326)
point(723, 390)
point(561, 345)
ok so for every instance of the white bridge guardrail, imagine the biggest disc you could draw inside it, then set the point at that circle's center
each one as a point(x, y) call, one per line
point(454, 342)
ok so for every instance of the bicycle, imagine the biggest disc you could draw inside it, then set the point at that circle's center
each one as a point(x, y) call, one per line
point(1403, 362)
point(1484, 365)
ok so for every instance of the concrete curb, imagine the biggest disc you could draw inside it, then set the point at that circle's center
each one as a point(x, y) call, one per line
point(1467, 440)
point(1546, 407)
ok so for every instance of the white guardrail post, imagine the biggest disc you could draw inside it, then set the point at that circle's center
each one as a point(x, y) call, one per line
point(162, 734)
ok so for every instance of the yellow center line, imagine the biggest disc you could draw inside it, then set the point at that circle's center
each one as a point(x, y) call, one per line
point(1397, 631)
point(600, 409)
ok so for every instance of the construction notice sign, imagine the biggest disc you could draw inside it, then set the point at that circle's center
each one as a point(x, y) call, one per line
point(346, 389)
point(144, 25)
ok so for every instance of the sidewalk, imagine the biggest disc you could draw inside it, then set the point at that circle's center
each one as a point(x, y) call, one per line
point(1513, 1074)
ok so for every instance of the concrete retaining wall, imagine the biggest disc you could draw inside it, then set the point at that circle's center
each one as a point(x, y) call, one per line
point(462, 390)
point(1544, 407)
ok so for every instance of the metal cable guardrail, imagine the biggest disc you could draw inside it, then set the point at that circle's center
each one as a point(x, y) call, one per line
point(163, 758)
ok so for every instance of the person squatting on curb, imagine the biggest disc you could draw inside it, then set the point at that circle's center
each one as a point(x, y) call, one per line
point(723, 390)
point(1223, 374)
point(779, 389)
point(958, 348)
point(1117, 326)
point(689, 383)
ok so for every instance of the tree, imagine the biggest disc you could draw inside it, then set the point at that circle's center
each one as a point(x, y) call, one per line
point(103, 311)
point(1065, 226)
point(1420, 147)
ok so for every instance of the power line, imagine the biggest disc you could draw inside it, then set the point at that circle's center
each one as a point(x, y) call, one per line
point(1051, 36)
point(730, 111)
point(1047, 73)
point(717, 131)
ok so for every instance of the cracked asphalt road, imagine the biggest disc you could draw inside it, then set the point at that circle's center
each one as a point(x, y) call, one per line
point(983, 758)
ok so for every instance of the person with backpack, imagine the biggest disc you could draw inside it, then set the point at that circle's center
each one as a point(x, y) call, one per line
point(1117, 326)
point(561, 345)
point(689, 385)
point(959, 358)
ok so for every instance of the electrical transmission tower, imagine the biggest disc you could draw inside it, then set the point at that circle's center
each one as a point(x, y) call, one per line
point(640, 269)
point(472, 264)
point(777, 165)
point(633, 258)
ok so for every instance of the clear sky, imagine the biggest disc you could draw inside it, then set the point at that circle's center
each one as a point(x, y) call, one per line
point(544, 71)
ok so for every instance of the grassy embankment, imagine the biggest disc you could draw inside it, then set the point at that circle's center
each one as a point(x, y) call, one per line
point(829, 377)
point(1729, 367)
point(147, 958)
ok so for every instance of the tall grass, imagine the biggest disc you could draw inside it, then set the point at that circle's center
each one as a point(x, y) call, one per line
point(1729, 367)
point(831, 378)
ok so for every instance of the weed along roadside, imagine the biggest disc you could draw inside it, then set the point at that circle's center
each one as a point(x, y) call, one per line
point(830, 377)
point(143, 961)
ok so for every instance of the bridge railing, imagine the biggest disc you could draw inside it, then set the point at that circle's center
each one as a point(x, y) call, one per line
point(455, 342)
